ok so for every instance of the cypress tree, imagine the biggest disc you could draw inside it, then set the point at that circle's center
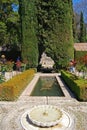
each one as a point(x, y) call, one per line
point(82, 36)
point(55, 29)
point(75, 38)
point(28, 32)
point(74, 29)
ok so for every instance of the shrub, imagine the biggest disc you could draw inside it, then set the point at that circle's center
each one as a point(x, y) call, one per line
point(79, 54)
point(8, 66)
point(77, 85)
point(2, 78)
point(11, 89)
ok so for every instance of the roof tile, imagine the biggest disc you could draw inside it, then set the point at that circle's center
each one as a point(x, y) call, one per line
point(80, 46)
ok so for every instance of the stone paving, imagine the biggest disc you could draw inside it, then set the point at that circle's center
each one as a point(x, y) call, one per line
point(11, 112)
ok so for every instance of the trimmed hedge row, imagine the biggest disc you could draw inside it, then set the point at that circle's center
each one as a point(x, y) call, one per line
point(11, 89)
point(77, 86)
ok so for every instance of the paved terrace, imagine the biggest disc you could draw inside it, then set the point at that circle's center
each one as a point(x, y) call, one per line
point(11, 112)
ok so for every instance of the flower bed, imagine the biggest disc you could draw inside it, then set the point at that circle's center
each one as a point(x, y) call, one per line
point(11, 89)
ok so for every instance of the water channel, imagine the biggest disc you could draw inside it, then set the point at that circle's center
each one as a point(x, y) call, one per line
point(47, 86)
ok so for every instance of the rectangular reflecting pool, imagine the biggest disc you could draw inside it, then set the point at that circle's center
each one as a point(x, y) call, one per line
point(47, 86)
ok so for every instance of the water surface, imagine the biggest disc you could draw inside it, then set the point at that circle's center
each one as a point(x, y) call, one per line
point(47, 86)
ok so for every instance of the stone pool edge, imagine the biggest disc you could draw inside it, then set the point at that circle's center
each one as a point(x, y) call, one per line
point(32, 84)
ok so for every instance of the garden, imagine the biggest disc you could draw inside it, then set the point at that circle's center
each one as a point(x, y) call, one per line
point(23, 30)
point(75, 76)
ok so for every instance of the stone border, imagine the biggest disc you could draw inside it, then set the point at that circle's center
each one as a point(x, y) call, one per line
point(32, 84)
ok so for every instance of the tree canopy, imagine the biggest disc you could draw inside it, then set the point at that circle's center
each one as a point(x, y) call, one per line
point(29, 33)
point(9, 20)
point(55, 29)
point(38, 25)
point(82, 36)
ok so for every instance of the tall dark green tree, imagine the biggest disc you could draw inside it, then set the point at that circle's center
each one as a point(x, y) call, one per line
point(75, 35)
point(74, 27)
point(11, 20)
point(55, 29)
point(29, 33)
point(82, 35)
point(3, 32)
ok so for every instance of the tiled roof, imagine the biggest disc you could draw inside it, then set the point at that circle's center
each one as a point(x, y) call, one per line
point(80, 46)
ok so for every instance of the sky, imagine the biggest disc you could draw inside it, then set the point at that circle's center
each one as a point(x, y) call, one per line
point(80, 6)
point(15, 7)
point(76, 1)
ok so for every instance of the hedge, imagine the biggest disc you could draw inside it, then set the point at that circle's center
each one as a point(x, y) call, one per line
point(11, 89)
point(77, 85)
